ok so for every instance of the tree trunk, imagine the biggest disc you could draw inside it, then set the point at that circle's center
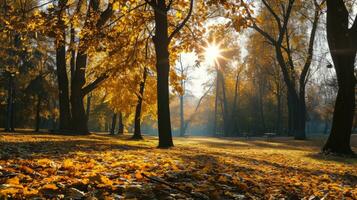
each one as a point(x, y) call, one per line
point(89, 98)
point(137, 127)
point(182, 117)
point(79, 118)
point(114, 121)
point(301, 134)
point(339, 139)
point(216, 106)
point(261, 107)
point(161, 42)
point(63, 97)
point(225, 105)
point(234, 127)
point(120, 125)
point(297, 112)
point(38, 111)
point(343, 47)
point(10, 104)
point(278, 110)
point(73, 52)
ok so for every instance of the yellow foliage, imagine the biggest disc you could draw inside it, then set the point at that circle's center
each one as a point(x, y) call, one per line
point(230, 168)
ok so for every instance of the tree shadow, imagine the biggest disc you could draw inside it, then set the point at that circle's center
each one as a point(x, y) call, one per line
point(46, 145)
point(260, 167)
point(275, 143)
point(334, 158)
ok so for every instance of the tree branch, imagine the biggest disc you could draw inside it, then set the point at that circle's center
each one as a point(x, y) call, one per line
point(270, 9)
point(179, 27)
point(308, 61)
point(105, 15)
point(90, 87)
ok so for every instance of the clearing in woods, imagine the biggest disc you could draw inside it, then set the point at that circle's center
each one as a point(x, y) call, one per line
point(105, 167)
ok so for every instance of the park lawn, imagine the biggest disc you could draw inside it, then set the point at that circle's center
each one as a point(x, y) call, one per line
point(112, 167)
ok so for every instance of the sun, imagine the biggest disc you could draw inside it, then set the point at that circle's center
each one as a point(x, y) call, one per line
point(212, 53)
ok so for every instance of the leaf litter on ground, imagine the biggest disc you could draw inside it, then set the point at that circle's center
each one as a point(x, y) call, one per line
point(103, 167)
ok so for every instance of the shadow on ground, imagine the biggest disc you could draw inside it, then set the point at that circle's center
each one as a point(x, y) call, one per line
point(25, 146)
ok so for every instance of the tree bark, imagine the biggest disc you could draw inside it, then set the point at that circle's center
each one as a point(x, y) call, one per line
point(182, 117)
point(79, 118)
point(161, 42)
point(224, 105)
point(216, 106)
point(114, 121)
point(343, 47)
point(120, 125)
point(261, 106)
point(278, 110)
point(234, 127)
point(62, 79)
point(38, 111)
point(10, 106)
point(89, 99)
point(78, 91)
point(137, 126)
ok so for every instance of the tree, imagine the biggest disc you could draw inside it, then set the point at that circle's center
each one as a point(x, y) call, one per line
point(114, 121)
point(120, 124)
point(342, 42)
point(284, 55)
point(137, 120)
point(61, 66)
point(162, 41)
point(183, 72)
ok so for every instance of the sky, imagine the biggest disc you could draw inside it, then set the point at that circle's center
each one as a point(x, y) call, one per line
point(199, 75)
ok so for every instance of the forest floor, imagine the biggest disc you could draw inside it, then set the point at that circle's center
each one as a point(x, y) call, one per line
point(112, 167)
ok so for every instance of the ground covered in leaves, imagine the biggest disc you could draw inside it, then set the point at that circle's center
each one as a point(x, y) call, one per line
point(43, 166)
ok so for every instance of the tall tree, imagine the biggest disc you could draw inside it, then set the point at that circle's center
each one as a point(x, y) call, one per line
point(342, 42)
point(120, 124)
point(61, 66)
point(114, 121)
point(281, 13)
point(162, 41)
point(137, 120)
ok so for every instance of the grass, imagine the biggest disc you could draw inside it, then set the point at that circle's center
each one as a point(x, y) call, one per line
point(57, 166)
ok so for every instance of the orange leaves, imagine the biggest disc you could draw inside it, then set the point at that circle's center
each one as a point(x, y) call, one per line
point(101, 181)
point(13, 181)
point(50, 186)
point(211, 168)
point(138, 175)
point(68, 164)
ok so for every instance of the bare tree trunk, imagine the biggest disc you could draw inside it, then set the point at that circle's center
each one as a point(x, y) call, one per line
point(89, 99)
point(120, 125)
point(137, 127)
point(161, 42)
point(224, 105)
point(62, 78)
point(65, 116)
point(114, 121)
point(343, 46)
point(182, 118)
point(38, 111)
point(73, 52)
point(234, 127)
point(279, 115)
point(261, 106)
point(216, 106)
point(10, 106)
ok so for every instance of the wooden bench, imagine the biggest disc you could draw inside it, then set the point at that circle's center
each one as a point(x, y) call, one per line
point(269, 135)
